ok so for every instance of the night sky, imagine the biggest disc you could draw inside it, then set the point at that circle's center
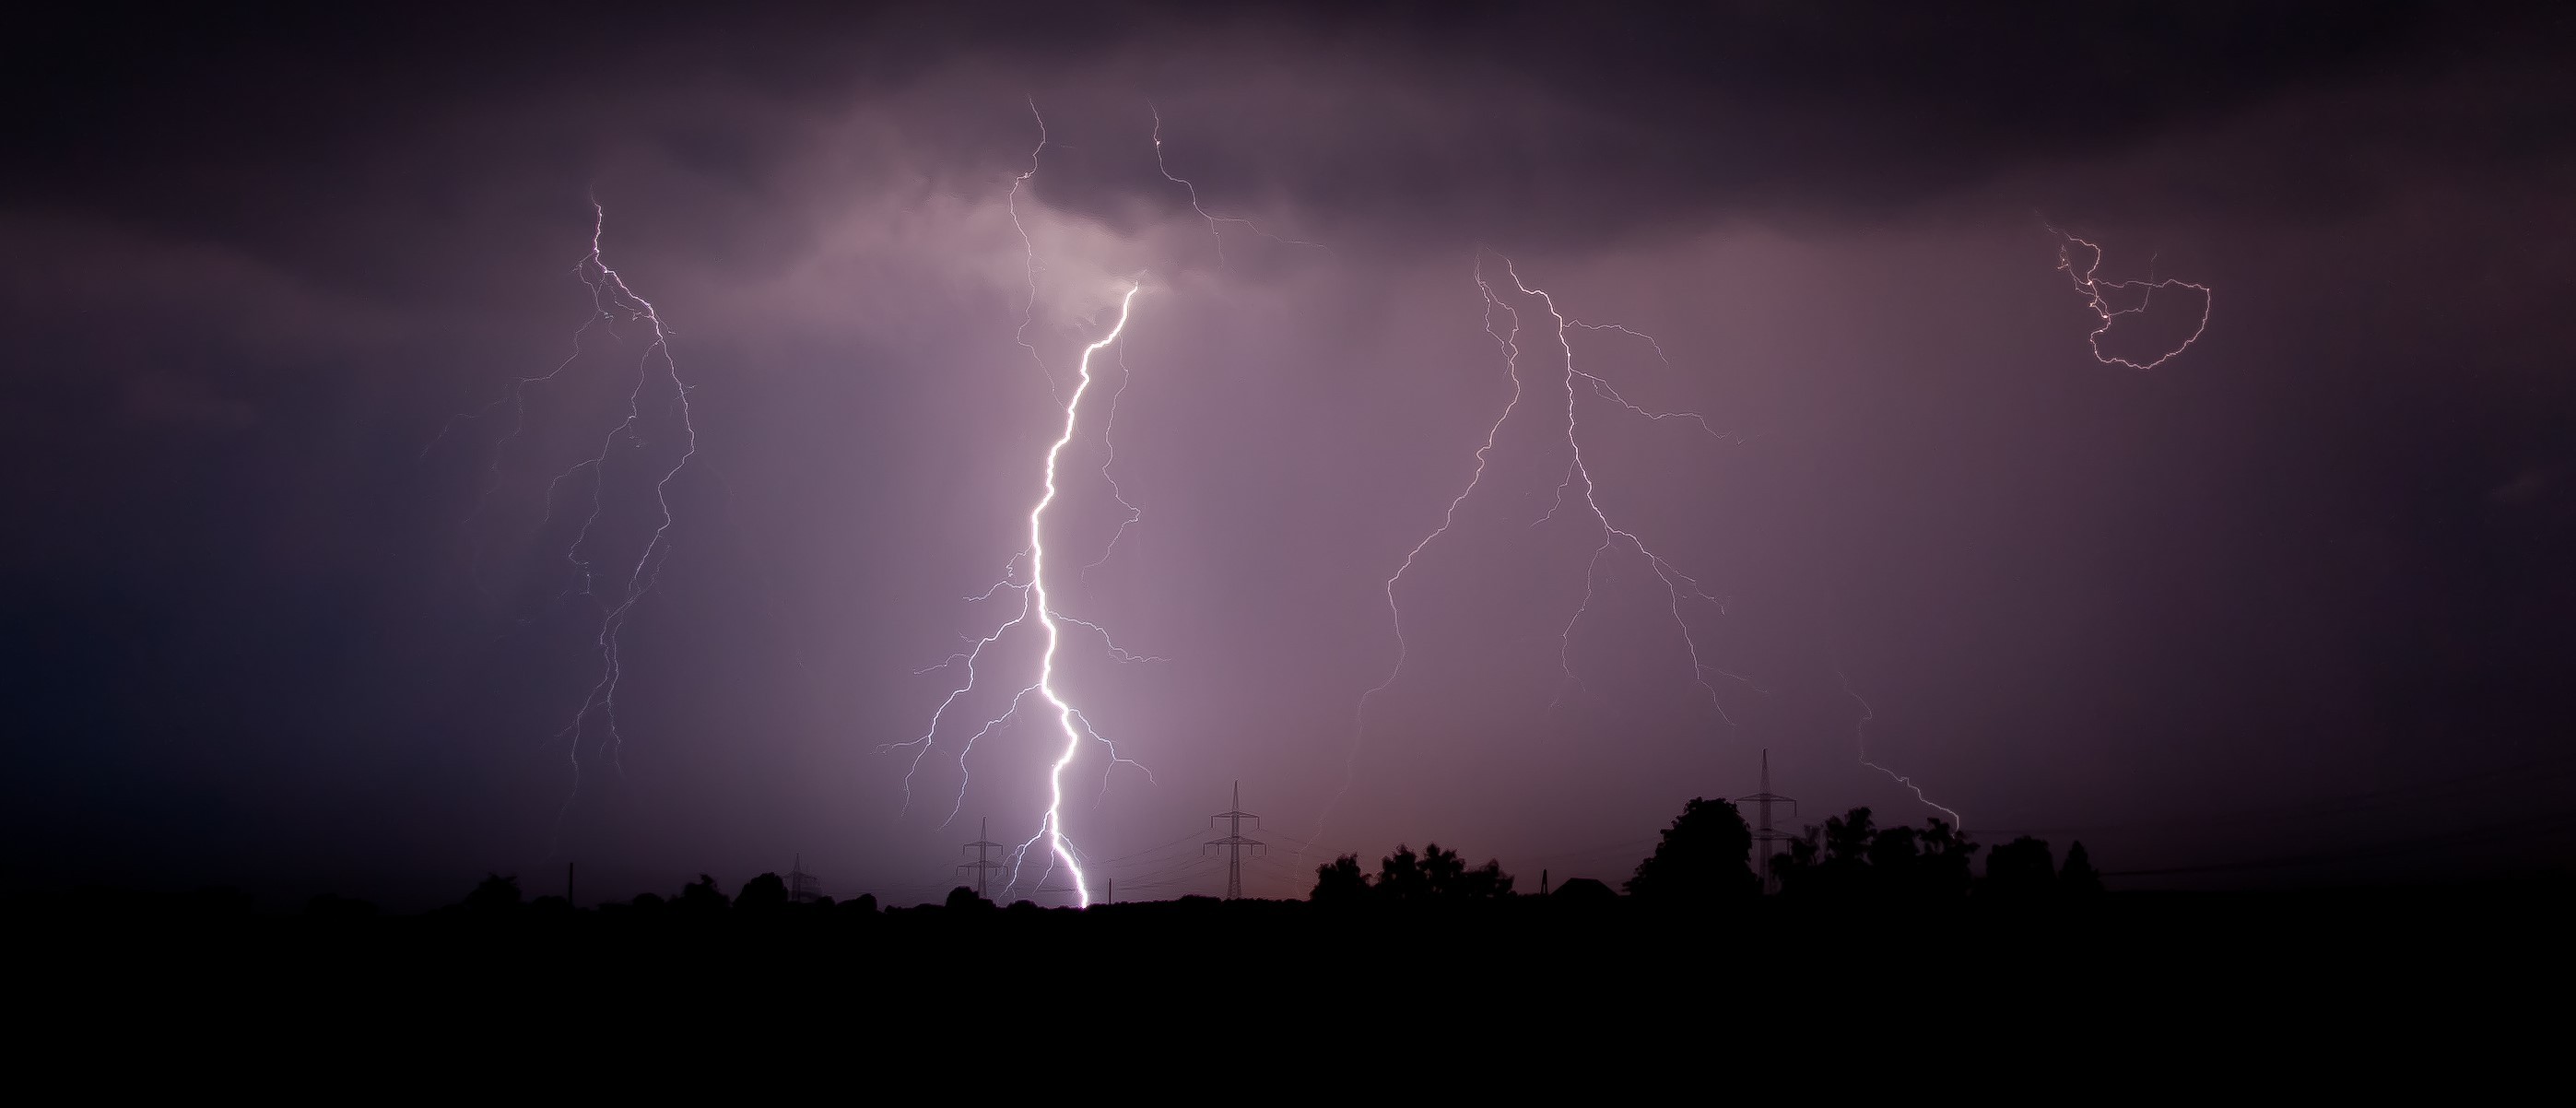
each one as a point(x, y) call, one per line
point(2292, 607)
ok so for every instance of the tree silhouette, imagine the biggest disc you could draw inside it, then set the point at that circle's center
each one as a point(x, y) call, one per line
point(2078, 877)
point(1796, 867)
point(1405, 877)
point(1340, 881)
point(1942, 871)
point(1438, 874)
point(1400, 877)
point(1852, 857)
point(1847, 837)
point(963, 899)
point(765, 893)
point(1485, 882)
point(701, 896)
point(2020, 868)
point(1703, 859)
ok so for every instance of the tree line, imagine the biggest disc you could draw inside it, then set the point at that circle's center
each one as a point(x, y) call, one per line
point(1704, 859)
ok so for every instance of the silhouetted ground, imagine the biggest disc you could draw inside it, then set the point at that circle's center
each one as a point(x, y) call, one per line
point(2351, 989)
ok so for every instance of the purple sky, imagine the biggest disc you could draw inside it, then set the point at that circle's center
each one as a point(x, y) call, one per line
point(2299, 591)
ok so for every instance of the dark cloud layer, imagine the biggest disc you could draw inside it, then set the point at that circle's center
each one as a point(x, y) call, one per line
point(1584, 122)
point(259, 259)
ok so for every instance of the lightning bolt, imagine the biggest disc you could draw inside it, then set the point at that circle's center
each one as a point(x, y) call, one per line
point(1507, 342)
point(1051, 828)
point(1109, 457)
point(1026, 575)
point(1676, 583)
point(1860, 731)
point(657, 378)
point(2095, 292)
point(1214, 221)
point(1679, 588)
point(610, 293)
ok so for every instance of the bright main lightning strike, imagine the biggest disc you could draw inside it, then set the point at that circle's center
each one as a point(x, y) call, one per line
point(1052, 828)
point(1037, 606)
point(2095, 292)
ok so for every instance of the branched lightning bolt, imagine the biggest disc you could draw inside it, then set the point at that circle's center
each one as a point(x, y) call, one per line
point(611, 300)
point(1025, 574)
point(1051, 828)
point(1029, 250)
point(1676, 583)
point(611, 294)
point(2095, 290)
point(516, 399)
point(1508, 342)
point(1860, 731)
point(1213, 220)
point(1678, 586)
point(1109, 457)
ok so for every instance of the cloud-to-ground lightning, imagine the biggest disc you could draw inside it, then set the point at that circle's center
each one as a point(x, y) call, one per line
point(2097, 295)
point(1679, 587)
point(1035, 605)
point(1860, 731)
point(612, 300)
point(1026, 575)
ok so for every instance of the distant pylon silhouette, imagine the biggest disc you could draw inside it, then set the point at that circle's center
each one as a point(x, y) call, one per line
point(1234, 842)
point(983, 868)
point(1763, 835)
point(802, 887)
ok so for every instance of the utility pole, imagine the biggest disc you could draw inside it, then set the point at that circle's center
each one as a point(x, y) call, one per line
point(1763, 835)
point(568, 886)
point(1234, 842)
point(983, 868)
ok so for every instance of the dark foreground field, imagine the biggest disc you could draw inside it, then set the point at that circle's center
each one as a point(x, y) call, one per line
point(2306, 991)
